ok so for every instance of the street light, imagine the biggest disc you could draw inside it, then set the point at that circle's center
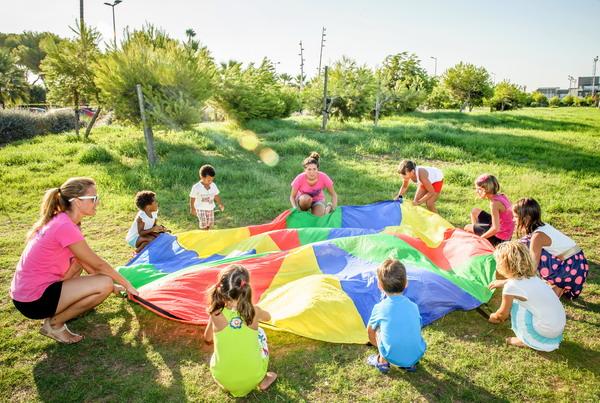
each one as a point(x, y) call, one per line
point(113, 5)
point(435, 66)
point(594, 77)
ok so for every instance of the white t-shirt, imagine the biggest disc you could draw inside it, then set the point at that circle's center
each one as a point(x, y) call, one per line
point(148, 223)
point(549, 316)
point(205, 198)
point(560, 242)
point(433, 174)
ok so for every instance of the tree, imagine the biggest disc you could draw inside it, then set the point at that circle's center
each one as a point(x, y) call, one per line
point(13, 81)
point(539, 98)
point(554, 101)
point(402, 84)
point(352, 90)
point(176, 79)
point(68, 70)
point(567, 101)
point(28, 48)
point(254, 92)
point(507, 96)
point(441, 98)
point(468, 84)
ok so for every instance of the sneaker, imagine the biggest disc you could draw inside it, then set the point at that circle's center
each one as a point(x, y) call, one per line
point(383, 367)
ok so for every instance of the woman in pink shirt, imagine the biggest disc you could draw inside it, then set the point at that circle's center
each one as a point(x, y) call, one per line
point(48, 283)
point(307, 188)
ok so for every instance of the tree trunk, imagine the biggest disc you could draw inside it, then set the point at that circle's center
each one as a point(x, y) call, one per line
point(377, 107)
point(91, 124)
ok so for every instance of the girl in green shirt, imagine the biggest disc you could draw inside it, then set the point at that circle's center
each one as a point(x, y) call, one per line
point(241, 356)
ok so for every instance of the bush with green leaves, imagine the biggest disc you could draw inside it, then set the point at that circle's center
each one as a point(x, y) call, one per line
point(254, 92)
point(18, 124)
point(539, 98)
point(554, 101)
point(468, 84)
point(351, 87)
point(507, 96)
point(441, 98)
point(176, 79)
point(567, 100)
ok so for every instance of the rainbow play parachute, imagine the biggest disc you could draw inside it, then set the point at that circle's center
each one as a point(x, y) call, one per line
point(317, 275)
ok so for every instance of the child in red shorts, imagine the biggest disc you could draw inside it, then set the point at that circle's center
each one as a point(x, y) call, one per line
point(429, 182)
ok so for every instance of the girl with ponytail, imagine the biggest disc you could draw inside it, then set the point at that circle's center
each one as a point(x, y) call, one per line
point(241, 355)
point(307, 188)
point(47, 283)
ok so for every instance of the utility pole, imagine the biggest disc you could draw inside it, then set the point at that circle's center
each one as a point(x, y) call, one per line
point(81, 23)
point(301, 54)
point(326, 102)
point(571, 80)
point(323, 34)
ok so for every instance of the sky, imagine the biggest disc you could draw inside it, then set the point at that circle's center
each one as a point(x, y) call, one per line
point(534, 43)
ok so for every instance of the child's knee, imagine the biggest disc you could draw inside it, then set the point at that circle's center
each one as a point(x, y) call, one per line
point(305, 202)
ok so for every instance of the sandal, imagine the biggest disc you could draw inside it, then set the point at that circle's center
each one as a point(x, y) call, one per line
point(59, 334)
point(383, 367)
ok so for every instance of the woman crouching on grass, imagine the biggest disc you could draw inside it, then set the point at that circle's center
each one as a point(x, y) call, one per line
point(48, 283)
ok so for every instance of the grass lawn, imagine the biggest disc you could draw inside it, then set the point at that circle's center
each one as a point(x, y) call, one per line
point(130, 354)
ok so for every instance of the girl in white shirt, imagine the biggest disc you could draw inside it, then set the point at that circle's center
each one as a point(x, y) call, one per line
point(537, 316)
point(557, 257)
point(144, 228)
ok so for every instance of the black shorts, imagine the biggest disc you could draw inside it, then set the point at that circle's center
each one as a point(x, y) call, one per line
point(43, 307)
point(484, 222)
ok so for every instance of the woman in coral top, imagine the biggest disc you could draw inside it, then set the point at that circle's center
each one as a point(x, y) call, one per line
point(307, 188)
point(47, 283)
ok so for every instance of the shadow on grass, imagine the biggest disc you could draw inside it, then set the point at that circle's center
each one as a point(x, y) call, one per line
point(437, 383)
point(507, 120)
point(116, 366)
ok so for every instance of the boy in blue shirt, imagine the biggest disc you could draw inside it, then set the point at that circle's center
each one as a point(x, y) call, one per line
point(395, 323)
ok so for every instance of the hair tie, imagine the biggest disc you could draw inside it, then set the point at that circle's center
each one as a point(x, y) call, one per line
point(483, 178)
point(243, 284)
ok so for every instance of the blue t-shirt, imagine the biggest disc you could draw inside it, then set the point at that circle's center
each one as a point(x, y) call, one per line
point(399, 323)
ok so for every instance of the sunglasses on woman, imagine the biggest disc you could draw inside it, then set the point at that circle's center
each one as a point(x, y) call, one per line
point(94, 198)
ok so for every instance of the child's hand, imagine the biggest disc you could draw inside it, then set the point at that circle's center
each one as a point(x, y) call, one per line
point(221, 207)
point(495, 318)
point(496, 284)
point(415, 203)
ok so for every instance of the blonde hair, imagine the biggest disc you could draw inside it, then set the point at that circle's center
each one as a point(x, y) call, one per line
point(406, 166)
point(489, 183)
point(392, 276)
point(514, 260)
point(56, 200)
point(233, 284)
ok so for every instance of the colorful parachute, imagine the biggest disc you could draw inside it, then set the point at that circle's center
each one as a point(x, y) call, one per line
point(317, 275)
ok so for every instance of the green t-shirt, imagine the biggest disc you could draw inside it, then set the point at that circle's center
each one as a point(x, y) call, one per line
point(239, 362)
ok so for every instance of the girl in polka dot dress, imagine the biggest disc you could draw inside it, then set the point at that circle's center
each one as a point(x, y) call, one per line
point(558, 258)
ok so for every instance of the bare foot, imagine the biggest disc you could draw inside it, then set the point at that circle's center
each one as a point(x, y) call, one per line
point(515, 341)
point(267, 381)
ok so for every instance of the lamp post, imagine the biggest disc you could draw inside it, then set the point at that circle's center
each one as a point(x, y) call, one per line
point(594, 77)
point(113, 5)
point(434, 66)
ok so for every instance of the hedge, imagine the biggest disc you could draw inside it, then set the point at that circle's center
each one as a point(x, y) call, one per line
point(18, 124)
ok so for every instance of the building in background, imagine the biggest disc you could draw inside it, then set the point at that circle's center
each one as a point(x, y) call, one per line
point(584, 86)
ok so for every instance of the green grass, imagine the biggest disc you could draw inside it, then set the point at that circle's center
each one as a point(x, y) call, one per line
point(130, 354)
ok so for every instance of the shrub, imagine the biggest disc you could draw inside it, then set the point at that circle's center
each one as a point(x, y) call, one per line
point(19, 124)
point(441, 98)
point(254, 92)
point(176, 79)
point(539, 98)
point(554, 101)
point(567, 101)
point(507, 96)
point(351, 88)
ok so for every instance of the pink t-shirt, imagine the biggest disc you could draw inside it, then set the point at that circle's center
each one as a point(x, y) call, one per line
point(46, 258)
point(300, 183)
point(507, 223)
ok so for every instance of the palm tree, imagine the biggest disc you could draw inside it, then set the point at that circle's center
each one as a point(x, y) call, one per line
point(13, 82)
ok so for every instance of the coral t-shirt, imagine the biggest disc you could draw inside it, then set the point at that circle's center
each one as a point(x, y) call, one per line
point(300, 183)
point(46, 258)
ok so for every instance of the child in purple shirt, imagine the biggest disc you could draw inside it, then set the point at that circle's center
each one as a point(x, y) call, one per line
point(307, 188)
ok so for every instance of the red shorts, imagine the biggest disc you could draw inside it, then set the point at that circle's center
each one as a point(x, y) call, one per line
point(437, 186)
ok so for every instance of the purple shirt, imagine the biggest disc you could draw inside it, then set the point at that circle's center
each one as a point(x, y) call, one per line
point(46, 258)
point(300, 183)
